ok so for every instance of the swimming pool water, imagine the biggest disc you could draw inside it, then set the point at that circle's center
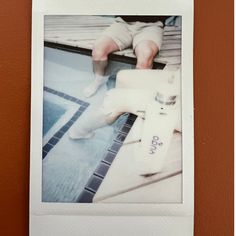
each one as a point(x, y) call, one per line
point(51, 114)
point(70, 163)
point(68, 167)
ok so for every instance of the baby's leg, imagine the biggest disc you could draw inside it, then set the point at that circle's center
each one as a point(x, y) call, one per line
point(85, 129)
point(116, 102)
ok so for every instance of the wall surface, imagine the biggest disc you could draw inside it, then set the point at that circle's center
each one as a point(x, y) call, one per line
point(213, 74)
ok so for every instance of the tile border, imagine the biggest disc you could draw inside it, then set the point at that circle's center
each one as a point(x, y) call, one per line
point(59, 134)
point(94, 182)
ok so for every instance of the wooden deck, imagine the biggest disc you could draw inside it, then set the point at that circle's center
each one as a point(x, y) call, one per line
point(82, 31)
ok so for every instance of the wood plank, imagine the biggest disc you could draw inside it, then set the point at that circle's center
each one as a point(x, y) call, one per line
point(82, 31)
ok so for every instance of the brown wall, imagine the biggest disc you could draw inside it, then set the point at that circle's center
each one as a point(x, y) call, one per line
point(213, 74)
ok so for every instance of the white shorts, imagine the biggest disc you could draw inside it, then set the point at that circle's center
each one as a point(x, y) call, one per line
point(130, 34)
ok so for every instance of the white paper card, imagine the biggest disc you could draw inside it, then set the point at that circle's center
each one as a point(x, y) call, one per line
point(112, 118)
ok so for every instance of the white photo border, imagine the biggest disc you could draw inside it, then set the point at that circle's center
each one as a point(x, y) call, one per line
point(52, 7)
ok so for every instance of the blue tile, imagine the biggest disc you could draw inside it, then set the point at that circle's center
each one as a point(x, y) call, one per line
point(101, 170)
point(86, 197)
point(77, 113)
point(125, 129)
point(94, 183)
point(132, 117)
point(130, 122)
point(50, 90)
point(60, 94)
point(67, 97)
point(44, 154)
point(47, 89)
point(75, 117)
point(69, 123)
point(55, 92)
point(73, 99)
point(109, 157)
point(47, 147)
point(53, 141)
point(115, 147)
point(58, 134)
point(64, 128)
point(80, 102)
point(120, 137)
point(128, 125)
point(83, 108)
